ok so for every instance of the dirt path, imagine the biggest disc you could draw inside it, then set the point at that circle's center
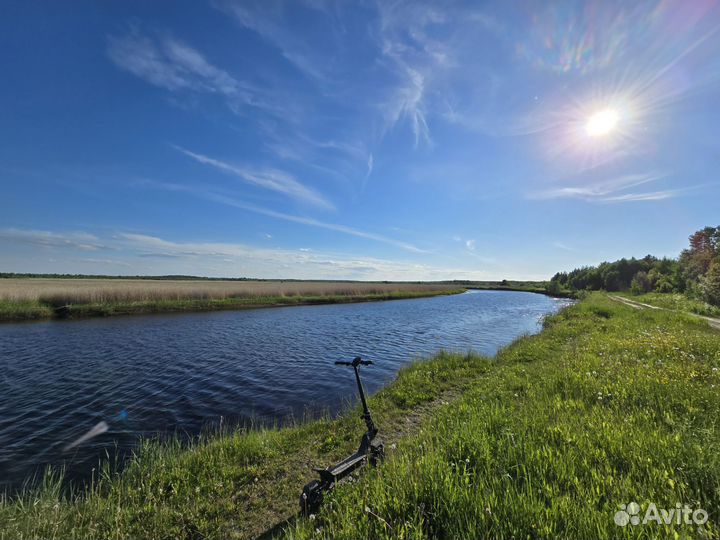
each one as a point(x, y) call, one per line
point(715, 323)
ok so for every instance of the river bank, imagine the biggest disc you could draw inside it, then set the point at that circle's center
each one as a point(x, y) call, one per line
point(607, 405)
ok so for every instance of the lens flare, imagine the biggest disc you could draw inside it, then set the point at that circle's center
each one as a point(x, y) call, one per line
point(97, 429)
point(602, 122)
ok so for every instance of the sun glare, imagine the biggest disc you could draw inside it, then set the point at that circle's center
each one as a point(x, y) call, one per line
point(601, 123)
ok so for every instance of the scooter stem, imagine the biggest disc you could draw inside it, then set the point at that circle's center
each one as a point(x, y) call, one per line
point(366, 411)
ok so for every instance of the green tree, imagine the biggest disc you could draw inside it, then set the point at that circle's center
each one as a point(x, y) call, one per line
point(710, 284)
point(704, 248)
point(640, 283)
point(612, 281)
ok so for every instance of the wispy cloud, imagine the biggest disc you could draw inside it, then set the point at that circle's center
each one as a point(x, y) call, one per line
point(140, 253)
point(610, 190)
point(343, 160)
point(105, 262)
point(370, 166)
point(229, 201)
point(268, 24)
point(560, 245)
point(259, 262)
point(470, 244)
point(221, 198)
point(427, 47)
point(171, 64)
point(272, 179)
point(407, 103)
point(75, 240)
point(650, 196)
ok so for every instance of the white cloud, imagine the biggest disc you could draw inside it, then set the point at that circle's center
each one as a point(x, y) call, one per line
point(650, 196)
point(407, 104)
point(470, 244)
point(147, 254)
point(229, 201)
point(562, 246)
point(426, 47)
point(171, 64)
point(75, 240)
point(610, 190)
point(272, 179)
point(231, 259)
point(268, 24)
point(235, 203)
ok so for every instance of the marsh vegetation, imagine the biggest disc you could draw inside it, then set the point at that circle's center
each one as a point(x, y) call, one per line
point(38, 298)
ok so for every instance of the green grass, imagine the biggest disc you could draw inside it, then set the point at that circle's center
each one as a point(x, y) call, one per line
point(24, 310)
point(677, 302)
point(606, 406)
point(34, 309)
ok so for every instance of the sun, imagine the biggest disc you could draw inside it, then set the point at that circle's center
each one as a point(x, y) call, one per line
point(602, 122)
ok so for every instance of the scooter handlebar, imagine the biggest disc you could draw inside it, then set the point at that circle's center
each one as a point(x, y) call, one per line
point(357, 362)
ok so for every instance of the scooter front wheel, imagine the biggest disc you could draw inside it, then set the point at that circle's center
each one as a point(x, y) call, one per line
point(311, 498)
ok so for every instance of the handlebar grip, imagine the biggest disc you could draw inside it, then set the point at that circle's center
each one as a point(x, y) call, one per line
point(366, 362)
point(339, 363)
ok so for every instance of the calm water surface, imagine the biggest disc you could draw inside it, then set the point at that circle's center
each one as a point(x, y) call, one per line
point(149, 375)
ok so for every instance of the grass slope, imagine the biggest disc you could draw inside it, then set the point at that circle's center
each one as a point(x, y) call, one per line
point(606, 406)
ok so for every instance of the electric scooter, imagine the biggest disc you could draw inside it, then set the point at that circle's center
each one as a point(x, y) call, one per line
point(370, 451)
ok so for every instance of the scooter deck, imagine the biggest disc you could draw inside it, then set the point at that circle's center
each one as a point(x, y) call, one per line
point(345, 467)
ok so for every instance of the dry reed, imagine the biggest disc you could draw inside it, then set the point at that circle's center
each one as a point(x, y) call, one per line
point(101, 291)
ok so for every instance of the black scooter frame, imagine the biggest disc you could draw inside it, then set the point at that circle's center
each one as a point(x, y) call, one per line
point(369, 450)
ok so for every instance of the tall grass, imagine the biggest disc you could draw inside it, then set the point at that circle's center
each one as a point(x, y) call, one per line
point(34, 298)
point(89, 291)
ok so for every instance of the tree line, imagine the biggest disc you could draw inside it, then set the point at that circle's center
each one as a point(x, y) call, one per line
point(696, 272)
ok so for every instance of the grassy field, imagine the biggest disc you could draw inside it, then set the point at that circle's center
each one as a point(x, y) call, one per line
point(608, 405)
point(42, 298)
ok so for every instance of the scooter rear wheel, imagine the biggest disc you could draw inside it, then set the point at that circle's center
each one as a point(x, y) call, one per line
point(377, 455)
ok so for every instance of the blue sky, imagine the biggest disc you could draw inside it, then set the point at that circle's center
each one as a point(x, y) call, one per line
point(354, 140)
